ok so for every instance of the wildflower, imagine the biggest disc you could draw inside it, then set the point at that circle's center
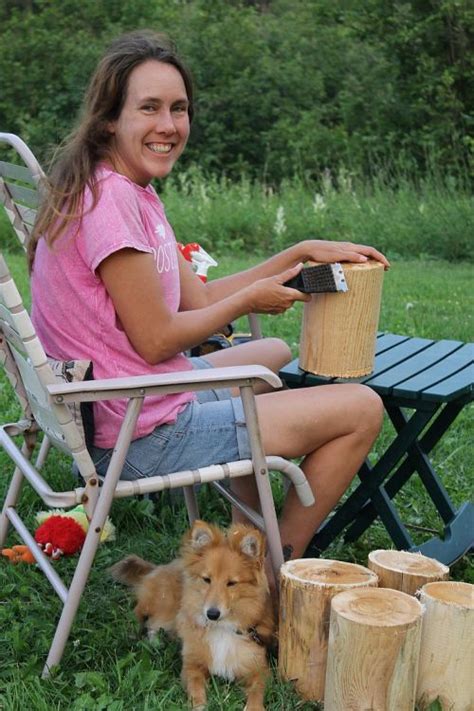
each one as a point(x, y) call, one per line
point(318, 203)
point(344, 181)
point(327, 182)
point(280, 224)
point(204, 195)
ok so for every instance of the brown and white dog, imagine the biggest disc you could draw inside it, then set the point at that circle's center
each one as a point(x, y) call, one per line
point(215, 597)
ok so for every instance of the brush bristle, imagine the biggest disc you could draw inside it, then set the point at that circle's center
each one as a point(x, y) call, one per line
point(319, 279)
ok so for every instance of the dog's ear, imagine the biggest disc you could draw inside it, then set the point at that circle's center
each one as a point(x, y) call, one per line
point(203, 534)
point(247, 540)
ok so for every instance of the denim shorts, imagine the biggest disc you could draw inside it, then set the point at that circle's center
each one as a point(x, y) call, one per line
point(210, 430)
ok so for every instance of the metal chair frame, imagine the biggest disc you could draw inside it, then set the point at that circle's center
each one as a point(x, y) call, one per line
point(45, 409)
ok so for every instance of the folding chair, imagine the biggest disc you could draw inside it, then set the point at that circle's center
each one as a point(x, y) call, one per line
point(46, 408)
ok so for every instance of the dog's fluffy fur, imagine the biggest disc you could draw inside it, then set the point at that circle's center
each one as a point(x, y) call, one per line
point(215, 597)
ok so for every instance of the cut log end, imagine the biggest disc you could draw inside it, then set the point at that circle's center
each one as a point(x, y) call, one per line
point(451, 593)
point(320, 572)
point(406, 562)
point(377, 607)
point(405, 571)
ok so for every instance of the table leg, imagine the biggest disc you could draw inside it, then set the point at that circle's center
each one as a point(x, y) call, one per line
point(381, 506)
point(365, 491)
point(417, 460)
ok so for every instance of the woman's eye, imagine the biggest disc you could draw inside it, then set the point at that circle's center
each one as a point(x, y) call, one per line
point(149, 108)
point(231, 583)
point(206, 580)
point(180, 109)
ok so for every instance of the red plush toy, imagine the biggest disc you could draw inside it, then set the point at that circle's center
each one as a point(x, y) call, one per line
point(60, 535)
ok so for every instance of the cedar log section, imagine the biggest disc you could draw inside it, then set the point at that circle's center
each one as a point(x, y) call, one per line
point(405, 571)
point(373, 652)
point(340, 328)
point(307, 587)
point(447, 646)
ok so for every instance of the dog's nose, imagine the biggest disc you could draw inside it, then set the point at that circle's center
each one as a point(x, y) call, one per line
point(213, 613)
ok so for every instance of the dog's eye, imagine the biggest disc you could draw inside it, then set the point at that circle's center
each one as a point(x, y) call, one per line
point(231, 582)
point(206, 580)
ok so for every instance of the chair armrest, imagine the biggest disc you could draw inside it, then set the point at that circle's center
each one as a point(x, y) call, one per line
point(162, 384)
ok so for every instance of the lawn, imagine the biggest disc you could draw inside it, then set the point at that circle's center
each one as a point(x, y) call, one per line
point(106, 665)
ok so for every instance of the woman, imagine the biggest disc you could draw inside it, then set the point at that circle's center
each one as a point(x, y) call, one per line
point(108, 284)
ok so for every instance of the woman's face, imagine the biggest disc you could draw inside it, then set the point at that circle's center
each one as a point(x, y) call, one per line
point(153, 127)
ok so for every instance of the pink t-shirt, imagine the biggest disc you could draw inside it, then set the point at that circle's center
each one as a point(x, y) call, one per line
point(73, 313)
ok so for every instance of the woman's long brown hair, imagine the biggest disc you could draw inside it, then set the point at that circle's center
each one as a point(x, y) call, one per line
point(75, 161)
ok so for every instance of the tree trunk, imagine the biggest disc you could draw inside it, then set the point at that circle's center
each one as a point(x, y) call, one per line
point(404, 571)
point(373, 652)
point(447, 646)
point(307, 587)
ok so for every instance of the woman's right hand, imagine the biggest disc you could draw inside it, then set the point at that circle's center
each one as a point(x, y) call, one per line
point(269, 296)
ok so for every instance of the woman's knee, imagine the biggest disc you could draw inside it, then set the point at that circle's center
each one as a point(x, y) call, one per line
point(279, 352)
point(370, 409)
point(270, 352)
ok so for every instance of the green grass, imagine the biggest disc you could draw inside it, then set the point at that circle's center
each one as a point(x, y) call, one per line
point(106, 665)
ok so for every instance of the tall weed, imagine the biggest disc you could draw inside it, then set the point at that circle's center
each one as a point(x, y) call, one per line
point(430, 218)
point(425, 218)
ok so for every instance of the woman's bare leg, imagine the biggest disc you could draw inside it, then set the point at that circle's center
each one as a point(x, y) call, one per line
point(333, 428)
point(273, 353)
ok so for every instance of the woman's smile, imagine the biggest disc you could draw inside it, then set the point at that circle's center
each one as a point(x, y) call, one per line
point(160, 147)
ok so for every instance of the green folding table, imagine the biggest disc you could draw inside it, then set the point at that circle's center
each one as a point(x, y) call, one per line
point(434, 381)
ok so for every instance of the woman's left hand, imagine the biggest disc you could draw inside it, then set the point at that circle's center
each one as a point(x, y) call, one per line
point(328, 251)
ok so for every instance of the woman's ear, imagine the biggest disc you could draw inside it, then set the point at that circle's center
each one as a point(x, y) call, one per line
point(110, 126)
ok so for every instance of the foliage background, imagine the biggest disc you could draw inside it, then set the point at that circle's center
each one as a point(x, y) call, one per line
point(348, 119)
point(285, 87)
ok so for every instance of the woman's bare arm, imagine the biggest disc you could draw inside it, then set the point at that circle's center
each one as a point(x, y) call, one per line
point(309, 250)
point(156, 332)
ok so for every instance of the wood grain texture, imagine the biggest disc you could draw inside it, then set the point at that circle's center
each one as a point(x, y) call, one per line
point(307, 587)
point(373, 651)
point(447, 646)
point(339, 329)
point(405, 571)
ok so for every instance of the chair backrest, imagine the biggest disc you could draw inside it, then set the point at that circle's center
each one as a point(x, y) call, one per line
point(20, 186)
point(21, 352)
point(28, 369)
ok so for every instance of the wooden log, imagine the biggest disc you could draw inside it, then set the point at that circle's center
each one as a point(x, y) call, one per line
point(373, 651)
point(447, 646)
point(339, 330)
point(306, 589)
point(405, 571)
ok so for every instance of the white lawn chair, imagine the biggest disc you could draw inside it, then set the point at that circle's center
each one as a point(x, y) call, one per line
point(46, 408)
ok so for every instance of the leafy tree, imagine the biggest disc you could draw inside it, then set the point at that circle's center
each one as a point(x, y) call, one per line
point(283, 87)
